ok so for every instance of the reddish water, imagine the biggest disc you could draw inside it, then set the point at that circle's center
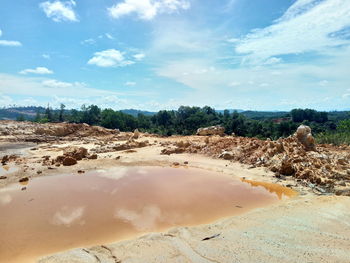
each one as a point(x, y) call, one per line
point(62, 212)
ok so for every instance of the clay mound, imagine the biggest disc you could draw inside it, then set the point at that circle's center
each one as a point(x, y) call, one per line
point(295, 156)
point(67, 129)
point(37, 131)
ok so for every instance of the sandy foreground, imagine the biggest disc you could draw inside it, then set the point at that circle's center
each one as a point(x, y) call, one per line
point(312, 227)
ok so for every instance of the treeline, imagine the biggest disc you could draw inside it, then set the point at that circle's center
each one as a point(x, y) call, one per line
point(186, 120)
point(299, 115)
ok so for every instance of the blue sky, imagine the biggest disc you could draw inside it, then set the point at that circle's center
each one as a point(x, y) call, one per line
point(160, 54)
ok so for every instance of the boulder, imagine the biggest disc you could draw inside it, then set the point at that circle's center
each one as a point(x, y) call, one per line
point(93, 156)
point(304, 136)
point(68, 161)
point(77, 153)
point(5, 159)
point(212, 130)
point(174, 150)
point(227, 155)
point(136, 134)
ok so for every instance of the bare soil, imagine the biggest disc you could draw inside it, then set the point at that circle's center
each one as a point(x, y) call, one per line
point(313, 227)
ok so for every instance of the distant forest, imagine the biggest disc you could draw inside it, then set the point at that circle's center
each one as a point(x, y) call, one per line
point(329, 127)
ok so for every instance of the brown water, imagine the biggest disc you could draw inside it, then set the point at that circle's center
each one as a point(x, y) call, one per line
point(57, 213)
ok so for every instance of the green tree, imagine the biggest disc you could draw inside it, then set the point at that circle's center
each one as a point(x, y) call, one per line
point(20, 118)
point(344, 126)
point(61, 114)
point(48, 113)
point(91, 114)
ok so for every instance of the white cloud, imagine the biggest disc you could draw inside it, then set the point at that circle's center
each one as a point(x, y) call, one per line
point(272, 60)
point(233, 40)
point(52, 83)
point(174, 38)
point(130, 83)
point(59, 11)
point(139, 56)
point(307, 26)
point(0, 33)
point(147, 9)
point(41, 87)
point(109, 36)
point(10, 43)
point(109, 58)
point(89, 41)
point(38, 70)
point(46, 56)
point(266, 86)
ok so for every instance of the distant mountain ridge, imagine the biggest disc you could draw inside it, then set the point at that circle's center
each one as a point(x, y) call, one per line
point(12, 113)
point(134, 112)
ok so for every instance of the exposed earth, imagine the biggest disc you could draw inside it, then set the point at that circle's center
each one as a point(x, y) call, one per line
point(312, 227)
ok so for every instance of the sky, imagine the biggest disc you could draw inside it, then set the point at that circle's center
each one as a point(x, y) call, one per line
point(161, 54)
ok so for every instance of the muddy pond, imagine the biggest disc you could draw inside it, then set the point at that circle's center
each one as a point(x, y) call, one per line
point(57, 213)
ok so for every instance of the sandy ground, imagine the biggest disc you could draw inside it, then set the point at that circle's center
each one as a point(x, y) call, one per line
point(308, 228)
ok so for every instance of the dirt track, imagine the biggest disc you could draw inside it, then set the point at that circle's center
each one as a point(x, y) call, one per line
point(309, 228)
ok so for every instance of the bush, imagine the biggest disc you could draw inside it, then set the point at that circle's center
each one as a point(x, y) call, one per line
point(336, 138)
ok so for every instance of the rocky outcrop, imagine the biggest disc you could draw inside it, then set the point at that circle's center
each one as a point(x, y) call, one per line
point(304, 136)
point(294, 156)
point(131, 144)
point(213, 130)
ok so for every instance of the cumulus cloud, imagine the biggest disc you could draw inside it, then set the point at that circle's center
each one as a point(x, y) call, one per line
point(60, 11)
point(10, 43)
point(109, 58)
point(52, 83)
point(307, 26)
point(139, 56)
point(147, 9)
point(38, 70)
